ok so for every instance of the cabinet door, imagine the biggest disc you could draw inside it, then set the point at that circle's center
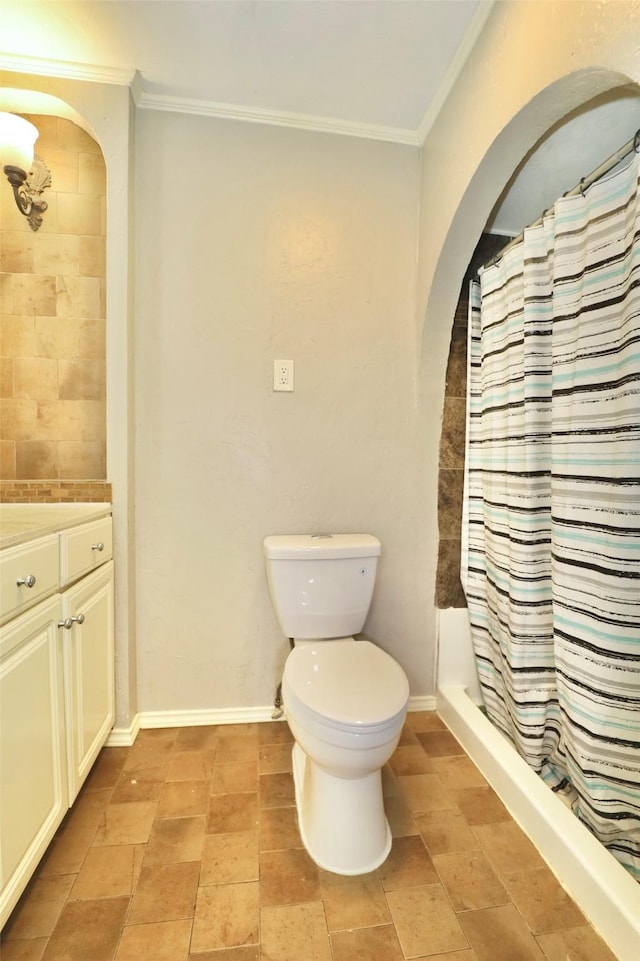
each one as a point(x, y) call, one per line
point(33, 775)
point(89, 669)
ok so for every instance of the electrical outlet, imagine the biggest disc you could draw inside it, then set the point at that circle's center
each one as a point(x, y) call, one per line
point(283, 375)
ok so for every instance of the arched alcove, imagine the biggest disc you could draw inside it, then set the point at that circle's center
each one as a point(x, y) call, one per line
point(53, 309)
point(105, 111)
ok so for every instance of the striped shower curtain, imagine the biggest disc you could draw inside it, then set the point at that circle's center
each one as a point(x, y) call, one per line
point(552, 508)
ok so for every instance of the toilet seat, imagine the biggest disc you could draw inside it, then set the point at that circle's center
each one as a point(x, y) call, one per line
point(350, 686)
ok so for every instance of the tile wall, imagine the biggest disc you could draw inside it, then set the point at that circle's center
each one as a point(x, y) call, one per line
point(55, 492)
point(449, 591)
point(52, 316)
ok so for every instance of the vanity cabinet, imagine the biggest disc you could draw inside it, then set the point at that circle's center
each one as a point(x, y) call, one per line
point(84, 548)
point(56, 687)
point(88, 671)
point(33, 753)
point(28, 573)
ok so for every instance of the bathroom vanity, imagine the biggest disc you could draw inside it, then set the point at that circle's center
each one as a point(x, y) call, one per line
point(56, 672)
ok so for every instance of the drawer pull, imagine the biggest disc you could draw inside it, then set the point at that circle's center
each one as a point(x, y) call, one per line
point(28, 581)
point(97, 547)
point(68, 622)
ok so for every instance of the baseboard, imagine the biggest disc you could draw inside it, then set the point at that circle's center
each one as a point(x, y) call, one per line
point(125, 736)
point(146, 720)
point(233, 715)
point(422, 702)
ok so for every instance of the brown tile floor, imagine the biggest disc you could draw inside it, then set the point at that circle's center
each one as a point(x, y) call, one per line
point(185, 848)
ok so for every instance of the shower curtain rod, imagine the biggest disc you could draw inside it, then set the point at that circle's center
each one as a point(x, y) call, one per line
point(585, 183)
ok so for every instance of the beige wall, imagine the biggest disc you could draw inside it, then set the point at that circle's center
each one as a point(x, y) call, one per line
point(52, 316)
point(283, 244)
point(533, 64)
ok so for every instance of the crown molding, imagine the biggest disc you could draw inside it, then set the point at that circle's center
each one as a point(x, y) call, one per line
point(452, 72)
point(275, 118)
point(66, 69)
point(145, 100)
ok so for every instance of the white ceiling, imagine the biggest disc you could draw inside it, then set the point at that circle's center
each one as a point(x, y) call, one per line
point(373, 68)
point(383, 63)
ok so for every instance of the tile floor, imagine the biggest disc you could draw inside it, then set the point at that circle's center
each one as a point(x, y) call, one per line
point(185, 847)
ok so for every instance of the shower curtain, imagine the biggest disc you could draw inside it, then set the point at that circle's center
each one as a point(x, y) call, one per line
point(551, 563)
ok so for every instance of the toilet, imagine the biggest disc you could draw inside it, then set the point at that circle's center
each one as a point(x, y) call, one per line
point(345, 700)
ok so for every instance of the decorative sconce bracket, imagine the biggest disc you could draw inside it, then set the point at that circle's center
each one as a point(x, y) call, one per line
point(28, 188)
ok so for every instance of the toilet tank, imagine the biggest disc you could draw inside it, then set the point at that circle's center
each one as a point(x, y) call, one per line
point(321, 584)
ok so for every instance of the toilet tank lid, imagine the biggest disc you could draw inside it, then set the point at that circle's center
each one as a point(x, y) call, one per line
point(317, 546)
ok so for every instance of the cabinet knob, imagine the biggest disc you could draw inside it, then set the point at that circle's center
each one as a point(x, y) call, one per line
point(28, 581)
point(68, 622)
point(97, 547)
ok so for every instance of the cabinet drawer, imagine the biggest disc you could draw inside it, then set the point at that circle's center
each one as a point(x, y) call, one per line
point(82, 549)
point(36, 563)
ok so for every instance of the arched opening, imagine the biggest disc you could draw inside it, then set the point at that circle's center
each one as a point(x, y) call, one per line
point(555, 163)
point(509, 139)
point(104, 111)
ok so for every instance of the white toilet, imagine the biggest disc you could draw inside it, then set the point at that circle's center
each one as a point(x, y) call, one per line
point(345, 700)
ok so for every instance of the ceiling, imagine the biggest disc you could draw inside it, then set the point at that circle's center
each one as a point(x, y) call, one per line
point(383, 64)
point(373, 68)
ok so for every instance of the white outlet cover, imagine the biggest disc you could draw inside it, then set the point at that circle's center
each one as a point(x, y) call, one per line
point(283, 375)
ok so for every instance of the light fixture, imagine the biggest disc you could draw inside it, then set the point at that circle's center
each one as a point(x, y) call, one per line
point(27, 175)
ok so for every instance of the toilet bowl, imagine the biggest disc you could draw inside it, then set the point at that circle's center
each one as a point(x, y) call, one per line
point(345, 700)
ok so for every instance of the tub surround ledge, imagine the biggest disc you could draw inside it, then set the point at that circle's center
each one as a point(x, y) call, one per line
point(602, 888)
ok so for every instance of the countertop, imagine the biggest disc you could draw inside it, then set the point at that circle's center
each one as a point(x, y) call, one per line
point(20, 523)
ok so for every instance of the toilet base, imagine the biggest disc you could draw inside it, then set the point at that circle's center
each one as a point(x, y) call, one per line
point(342, 821)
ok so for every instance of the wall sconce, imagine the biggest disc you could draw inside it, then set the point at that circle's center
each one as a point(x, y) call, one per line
point(27, 175)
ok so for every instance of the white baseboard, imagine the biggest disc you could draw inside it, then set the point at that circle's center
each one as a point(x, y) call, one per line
point(125, 736)
point(157, 719)
point(422, 702)
point(233, 715)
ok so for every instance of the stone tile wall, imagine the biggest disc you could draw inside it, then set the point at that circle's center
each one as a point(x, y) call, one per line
point(55, 492)
point(449, 591)
point(52, 316)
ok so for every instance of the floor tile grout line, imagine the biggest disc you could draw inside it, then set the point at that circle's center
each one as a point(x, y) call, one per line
point(173, 748)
